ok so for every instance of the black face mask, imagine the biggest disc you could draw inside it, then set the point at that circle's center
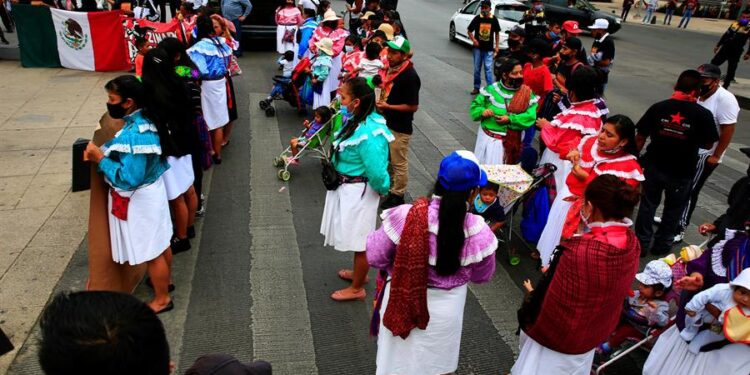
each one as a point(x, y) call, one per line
point(115, 110)
point(565, 57)
point(514, 83)
point(704, 90)
point(512, 43)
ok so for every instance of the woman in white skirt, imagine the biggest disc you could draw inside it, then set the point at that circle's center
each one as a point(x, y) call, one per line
point(361, 162)
point(288, 18)
point(578, 302)
point(504, 109)
point(169, 103)
point(211, 56)
point(132, 164)
point(430, 271)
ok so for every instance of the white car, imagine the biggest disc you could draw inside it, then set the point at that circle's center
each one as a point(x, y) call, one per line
point(508, 13)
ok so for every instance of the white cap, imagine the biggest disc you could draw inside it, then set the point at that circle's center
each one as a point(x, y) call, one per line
point(743, 279)
point(600, 24)
point(656, 272)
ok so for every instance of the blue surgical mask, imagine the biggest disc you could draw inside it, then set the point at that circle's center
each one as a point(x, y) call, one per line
point(348, 49)
point(538, 7)
point(344, 112)
point(744, 22)
point(479, 205)
point(553, 35)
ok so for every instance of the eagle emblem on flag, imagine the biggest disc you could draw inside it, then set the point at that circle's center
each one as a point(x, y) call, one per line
point(72, 34)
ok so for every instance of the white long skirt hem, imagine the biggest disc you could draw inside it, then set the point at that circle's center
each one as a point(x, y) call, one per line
point(179, 177)
point(670, 356)
point(214, 103)
point(552, 232)
point(146, 233)
point(431, 351)
point(488, 150)
point(349, 215)
point(535, 359)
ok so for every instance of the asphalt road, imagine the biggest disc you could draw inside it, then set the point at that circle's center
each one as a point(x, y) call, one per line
point(258, 280)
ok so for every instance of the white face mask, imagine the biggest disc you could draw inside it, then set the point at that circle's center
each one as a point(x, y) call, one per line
point(348, 49)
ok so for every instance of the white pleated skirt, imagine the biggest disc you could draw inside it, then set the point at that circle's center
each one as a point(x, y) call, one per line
point(670, 356)
point(535, 359)
point(431, 351)
point(488, 150)
point(214, 103)
point(281, 46)
point(179, 177)
point(146, 233)
point(552, 232)
point(349, 215)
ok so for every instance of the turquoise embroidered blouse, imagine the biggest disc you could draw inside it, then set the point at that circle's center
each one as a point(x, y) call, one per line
point(133, 157)
point(365, 153)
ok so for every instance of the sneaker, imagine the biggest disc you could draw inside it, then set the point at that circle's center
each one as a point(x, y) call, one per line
point(678, 238)
point(179, 245)
point(657, 219)
point(392, 200)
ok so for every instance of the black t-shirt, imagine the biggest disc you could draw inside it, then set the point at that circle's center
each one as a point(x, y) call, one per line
point(484, 30)
point(606, 47)
point(677, 129)
point(405, 90)
point(493, 214)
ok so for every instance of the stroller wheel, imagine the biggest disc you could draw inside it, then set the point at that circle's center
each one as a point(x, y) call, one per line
point(284, 175)
point(263, 104)
point(270, 111)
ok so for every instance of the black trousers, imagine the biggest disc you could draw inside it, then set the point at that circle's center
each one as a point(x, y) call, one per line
point(624, 14)
point(732, 57)
point(174, 6)
point(7, 19)
point(676, 195)
point(702, 174)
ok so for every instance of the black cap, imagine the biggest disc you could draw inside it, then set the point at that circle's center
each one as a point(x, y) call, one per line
point(709, 71)
point(486, 3)
point(573, 43)
point(539, 46)
point(746, 151)
point(224, 364)
point(518, 30)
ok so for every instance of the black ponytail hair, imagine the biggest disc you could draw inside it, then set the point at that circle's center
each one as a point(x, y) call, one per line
point(625, 129)
point(451, 236)
point(359, 89)
point(174, 48)
point(205, 26)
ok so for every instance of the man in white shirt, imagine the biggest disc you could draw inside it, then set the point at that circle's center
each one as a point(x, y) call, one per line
point(725, 109)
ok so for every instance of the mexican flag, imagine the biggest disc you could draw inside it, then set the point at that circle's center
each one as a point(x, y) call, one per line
point(76, 40)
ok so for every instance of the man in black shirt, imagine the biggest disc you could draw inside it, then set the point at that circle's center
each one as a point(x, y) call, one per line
point(484, 32)
point(731, 45)
point(602, 51)
point(677, 128)
point(398, 101)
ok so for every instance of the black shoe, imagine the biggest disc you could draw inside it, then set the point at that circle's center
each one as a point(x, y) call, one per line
point(180, 245)
point(191, 232)
point(149, 284)
point(475, 92)
point(392, 200)
point(216, 160)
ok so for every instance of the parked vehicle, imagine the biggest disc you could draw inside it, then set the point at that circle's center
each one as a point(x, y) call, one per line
point(508, 13)
point(583, 11)
point(261, 24)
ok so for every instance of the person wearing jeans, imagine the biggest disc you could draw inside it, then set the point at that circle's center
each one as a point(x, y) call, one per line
point(484, 31)
point(687, 13)
point(650, 7)
point(236, 11)
point(677, 127)
point(669, 12)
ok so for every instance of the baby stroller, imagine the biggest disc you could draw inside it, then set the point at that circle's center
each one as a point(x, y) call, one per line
point(289, 90)
point(516, 186)
point(316, 144)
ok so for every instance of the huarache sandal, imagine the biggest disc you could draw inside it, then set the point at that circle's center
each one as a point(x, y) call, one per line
point(346, 295)
point(348, 275)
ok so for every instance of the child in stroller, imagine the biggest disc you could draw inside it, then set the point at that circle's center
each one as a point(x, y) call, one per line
point(321, 116)
point(287, 86)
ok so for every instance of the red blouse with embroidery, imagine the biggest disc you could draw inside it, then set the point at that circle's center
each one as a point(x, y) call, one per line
point(596, 163)
point(568, 127)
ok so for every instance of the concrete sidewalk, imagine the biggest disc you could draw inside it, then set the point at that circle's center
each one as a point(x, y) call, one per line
point(41, 222)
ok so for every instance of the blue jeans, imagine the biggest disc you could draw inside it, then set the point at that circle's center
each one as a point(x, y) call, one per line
point(238, 36)
point(649, 15)
point(668, 17)
point(482, 58)
point(686, 16)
